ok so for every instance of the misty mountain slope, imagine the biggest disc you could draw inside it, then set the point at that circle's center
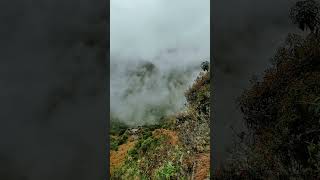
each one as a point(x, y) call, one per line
point(282, 111)
point(177, 147)
point(144, 91)
point(174, 37)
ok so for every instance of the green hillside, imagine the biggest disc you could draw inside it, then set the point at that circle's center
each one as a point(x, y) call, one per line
point(177, 147)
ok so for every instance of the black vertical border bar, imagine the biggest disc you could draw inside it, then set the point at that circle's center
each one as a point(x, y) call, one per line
point(107, 83)
point(212, 95)
point(107, 149)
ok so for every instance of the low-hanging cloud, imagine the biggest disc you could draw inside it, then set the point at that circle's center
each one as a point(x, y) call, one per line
point(173, 37)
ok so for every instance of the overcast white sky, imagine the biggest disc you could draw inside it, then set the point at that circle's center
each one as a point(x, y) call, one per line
point(145, 27)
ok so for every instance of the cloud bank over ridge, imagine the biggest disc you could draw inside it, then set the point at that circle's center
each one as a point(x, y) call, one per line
point(173, 36)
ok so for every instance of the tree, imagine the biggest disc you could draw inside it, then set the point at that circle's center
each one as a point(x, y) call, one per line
point(306, 15)
point(205, 65)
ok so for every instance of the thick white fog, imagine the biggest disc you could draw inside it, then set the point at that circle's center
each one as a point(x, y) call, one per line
point(156, 50)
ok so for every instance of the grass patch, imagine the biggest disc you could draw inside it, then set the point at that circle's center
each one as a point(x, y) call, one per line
point(167, 171)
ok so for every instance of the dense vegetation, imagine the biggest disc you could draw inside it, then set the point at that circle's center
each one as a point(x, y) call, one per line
point(282, 110)
point(177, 147)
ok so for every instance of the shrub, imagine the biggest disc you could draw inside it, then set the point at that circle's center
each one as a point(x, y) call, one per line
point(117, 127)
point(198, 95)
point(167, 171)
point(114, 144)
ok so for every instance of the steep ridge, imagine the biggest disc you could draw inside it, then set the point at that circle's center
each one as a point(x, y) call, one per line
point(177, 147)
